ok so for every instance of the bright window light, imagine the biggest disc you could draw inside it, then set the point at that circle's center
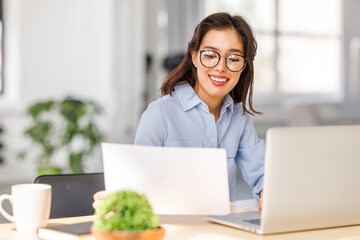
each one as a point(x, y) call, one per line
point(299, 45)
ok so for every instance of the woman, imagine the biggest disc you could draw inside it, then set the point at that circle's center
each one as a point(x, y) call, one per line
point(207, 100)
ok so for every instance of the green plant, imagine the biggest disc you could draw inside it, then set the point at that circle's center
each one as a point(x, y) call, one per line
point(63, 125)
point(125, 211)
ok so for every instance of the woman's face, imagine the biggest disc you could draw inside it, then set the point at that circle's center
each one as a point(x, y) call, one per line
point(215, 82)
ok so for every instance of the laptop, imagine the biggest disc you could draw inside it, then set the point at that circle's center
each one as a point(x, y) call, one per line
point(184, 181)
point(311, 181)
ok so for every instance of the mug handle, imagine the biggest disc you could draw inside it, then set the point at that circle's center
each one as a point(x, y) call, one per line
point(2, 211)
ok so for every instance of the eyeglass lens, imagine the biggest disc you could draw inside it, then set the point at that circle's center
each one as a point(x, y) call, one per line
point(233, 62)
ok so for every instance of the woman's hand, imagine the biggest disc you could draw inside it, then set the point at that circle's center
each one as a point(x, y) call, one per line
point(99, 196)
point(259, 206)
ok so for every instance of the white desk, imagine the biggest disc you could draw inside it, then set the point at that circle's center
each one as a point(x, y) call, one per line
point(198, 228)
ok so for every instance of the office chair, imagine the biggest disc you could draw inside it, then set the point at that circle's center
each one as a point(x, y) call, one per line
point(72, 194)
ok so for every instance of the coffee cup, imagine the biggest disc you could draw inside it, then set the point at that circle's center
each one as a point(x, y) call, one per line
point(31, 204)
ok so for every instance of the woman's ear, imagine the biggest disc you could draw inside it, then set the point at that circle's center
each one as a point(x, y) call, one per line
point(194, 57)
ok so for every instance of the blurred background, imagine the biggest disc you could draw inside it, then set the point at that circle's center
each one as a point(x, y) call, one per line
point(117, 52)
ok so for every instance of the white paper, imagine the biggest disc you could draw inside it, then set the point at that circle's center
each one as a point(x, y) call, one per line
point(248, 203)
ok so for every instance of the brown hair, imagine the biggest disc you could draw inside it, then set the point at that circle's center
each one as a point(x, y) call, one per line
point(186, 71)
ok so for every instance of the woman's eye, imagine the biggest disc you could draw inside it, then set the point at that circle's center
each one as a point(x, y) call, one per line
point(234, 60)
point(210, 55)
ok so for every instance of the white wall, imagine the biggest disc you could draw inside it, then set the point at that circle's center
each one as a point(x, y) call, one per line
point(78, 48)
point(63, 47)
point(156, 46)
point(129, 69)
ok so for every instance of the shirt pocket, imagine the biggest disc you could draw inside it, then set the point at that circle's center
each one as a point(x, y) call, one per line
point(231, 146)
point(183, 143)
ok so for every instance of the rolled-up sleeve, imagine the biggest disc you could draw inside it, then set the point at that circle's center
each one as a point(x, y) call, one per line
point(250, 158)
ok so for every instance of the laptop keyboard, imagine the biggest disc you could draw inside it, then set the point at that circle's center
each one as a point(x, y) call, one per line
point(254, 221)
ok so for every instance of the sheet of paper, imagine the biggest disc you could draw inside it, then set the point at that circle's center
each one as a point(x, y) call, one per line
point(248, 203)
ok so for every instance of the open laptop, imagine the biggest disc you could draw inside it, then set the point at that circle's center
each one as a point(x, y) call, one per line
point(311, 181)
point(186, 181)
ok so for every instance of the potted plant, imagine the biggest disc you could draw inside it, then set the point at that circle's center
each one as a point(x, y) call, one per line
point(67, 125)
point(126, 215)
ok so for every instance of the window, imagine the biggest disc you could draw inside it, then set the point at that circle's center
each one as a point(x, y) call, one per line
point(299, 46)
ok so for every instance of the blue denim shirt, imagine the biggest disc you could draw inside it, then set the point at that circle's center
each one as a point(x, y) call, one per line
point(182, 119)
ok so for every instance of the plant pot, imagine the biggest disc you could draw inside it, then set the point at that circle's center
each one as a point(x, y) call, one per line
point(153, 234)
point(48, 170)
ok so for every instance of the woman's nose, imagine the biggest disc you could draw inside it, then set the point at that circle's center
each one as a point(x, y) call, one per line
point(221, 66)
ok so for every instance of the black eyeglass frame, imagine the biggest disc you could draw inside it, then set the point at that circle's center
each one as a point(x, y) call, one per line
point(226, 57)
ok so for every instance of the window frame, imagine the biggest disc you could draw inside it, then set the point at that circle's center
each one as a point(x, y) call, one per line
point(277, 97)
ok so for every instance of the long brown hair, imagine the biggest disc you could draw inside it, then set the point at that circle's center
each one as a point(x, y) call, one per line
point(186, 71)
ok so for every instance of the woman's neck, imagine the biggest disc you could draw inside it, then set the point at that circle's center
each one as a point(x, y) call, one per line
point(214, 106)
point(214, 103)
point(216, 113)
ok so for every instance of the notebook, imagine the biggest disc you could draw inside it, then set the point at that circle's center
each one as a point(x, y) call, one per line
point(311, 181)
point(185, 181)
point(65, 231)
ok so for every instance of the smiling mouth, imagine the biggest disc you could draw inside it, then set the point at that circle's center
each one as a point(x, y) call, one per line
point(218, 79)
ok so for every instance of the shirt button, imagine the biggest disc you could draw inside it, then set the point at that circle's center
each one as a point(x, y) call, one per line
point(212, 139)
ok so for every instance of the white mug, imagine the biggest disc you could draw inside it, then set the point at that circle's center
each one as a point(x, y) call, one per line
point(31, 204)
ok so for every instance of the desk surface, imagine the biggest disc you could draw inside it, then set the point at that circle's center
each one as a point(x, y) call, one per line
point(198, 228)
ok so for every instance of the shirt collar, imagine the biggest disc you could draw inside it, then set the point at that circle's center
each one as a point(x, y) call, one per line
point(228, 102)
point(187, 96)
point(189, 99)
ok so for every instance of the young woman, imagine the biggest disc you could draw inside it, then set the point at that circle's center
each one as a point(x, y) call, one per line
point(207, 100)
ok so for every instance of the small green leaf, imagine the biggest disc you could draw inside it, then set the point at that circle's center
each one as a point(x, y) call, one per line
point(35, 109)
point(76, 164)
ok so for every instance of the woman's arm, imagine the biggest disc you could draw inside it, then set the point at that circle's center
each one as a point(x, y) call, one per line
point(250, 158)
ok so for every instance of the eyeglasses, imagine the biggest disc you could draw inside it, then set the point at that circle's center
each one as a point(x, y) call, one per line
point(210, 58)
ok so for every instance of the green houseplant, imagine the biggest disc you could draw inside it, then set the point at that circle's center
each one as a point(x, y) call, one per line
point(126, 215)
point(59, 126)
